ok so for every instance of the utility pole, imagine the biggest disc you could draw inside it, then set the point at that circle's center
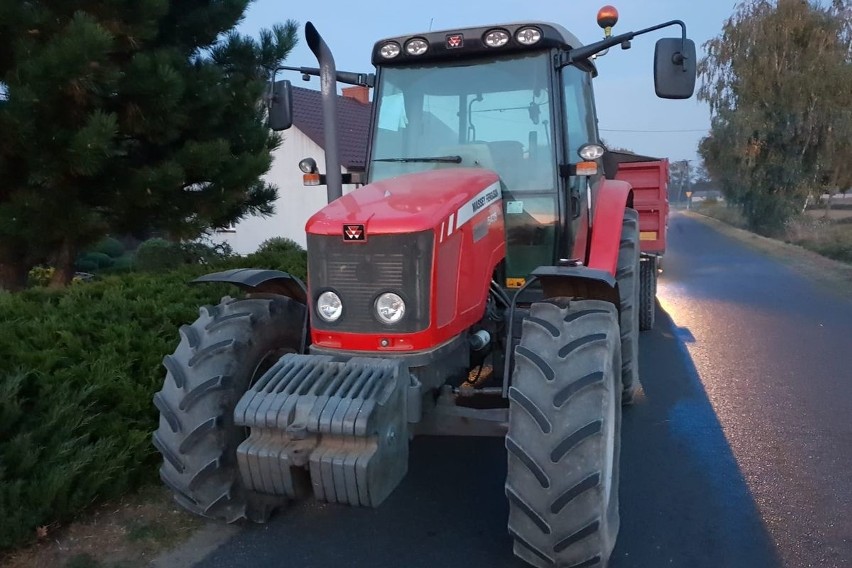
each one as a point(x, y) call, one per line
point(688, 192)
point(684, 182)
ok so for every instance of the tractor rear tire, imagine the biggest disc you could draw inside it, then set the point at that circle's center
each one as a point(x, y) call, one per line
point(648, 293)
point(627, 275)
point(219, 356)
point(564, 435)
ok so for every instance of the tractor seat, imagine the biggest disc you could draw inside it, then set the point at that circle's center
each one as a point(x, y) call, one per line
point(508, 156)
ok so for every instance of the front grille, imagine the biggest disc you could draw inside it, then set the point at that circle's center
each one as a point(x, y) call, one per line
point(359, 271)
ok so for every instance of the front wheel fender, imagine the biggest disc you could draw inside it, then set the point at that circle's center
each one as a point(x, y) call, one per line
point(260, 281)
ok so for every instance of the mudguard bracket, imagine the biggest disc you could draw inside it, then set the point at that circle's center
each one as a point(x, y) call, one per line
point(578, 281)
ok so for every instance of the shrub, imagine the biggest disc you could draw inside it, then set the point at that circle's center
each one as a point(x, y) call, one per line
point(110, 247)
point(281, 254)
point(102, 260)
point(724, 212)
point(281, 245)
point(158, 255)
point(205, 253)
point(124, 263)
point(84, 264)
point(40, 275)
point(78, 370)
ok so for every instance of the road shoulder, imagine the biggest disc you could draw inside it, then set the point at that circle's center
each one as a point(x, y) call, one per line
point(832, 274)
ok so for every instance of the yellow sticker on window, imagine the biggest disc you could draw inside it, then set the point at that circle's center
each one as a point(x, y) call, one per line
point(515, 282)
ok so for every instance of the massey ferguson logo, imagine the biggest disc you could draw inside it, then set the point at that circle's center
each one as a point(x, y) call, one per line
point(354, 233)
point(455, 41)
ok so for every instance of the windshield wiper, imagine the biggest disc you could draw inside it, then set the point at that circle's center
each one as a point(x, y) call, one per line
point(440, 159)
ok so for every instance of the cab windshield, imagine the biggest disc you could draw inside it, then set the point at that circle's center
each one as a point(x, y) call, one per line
point(493, 114)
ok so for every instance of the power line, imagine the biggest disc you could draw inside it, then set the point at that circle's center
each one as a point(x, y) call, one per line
point(654, 131)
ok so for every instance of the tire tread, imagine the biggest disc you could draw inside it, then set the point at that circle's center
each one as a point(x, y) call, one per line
point(559, 514)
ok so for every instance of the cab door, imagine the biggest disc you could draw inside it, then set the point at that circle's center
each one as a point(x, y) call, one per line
point(580, 128)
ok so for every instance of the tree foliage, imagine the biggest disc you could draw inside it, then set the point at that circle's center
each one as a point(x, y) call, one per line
point(778, 80)
point(127, 117)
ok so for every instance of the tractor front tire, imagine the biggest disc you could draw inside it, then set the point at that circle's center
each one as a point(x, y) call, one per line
point(564, 435)
point(648, 293)
point(219, 356)
point(627, 275)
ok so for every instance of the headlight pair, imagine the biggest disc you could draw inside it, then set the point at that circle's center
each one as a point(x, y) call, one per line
point(388, 307)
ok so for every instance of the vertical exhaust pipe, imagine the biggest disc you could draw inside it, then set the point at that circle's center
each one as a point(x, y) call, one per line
point(328, 85)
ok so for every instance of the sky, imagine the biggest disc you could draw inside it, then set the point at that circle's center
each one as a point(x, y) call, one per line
point(630, 115)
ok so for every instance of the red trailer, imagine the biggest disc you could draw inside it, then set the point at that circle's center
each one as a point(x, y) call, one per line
point(649, 178)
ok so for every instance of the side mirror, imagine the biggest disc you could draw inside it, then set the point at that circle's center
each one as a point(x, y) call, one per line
point(281, 106)
point(674, 68)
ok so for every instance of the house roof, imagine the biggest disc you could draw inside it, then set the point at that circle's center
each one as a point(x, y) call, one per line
point(353, 124)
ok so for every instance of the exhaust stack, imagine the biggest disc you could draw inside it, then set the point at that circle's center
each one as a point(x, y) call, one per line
point(328, 86)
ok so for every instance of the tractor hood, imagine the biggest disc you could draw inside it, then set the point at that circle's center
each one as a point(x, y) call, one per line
point(410, 203)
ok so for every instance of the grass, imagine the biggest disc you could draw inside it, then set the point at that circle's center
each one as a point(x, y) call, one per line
point(829, 236)
point(84, 560)
point(721, 211)
point(148, 529)
point(126, 533)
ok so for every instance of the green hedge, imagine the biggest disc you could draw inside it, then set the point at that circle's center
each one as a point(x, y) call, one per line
point(78, 369)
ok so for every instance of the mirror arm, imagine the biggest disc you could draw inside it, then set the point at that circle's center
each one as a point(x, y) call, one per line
point(585, 52)
point(359, 79)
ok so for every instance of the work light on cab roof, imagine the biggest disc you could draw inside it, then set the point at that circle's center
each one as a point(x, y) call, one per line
point(496, 38)
point(390, 50)
point(528, 35)
point(416, 46)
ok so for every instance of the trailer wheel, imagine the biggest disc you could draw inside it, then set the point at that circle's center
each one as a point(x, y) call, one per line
point(648, 293)
point(564, 435)
point(627, 275)
point(218, 358)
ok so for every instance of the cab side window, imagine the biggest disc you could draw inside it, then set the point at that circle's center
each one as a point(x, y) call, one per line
point(579, 111)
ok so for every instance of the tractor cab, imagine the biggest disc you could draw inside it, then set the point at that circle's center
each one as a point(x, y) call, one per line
point(492, 97)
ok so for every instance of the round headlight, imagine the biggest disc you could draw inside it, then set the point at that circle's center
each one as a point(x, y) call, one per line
point(528, 36)
point(416, 46)
point(308, 166)
point(390, 307)
point(329, 306)
point(390, 50)
point(591, 152)
point(496, 38)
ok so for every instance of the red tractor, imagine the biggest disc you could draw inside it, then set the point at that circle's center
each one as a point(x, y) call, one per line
point(484, 281)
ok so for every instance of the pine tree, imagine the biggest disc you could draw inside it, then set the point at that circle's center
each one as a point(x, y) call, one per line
point(128, 116)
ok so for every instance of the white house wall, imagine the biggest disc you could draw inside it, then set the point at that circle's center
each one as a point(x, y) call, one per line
point(295, 204)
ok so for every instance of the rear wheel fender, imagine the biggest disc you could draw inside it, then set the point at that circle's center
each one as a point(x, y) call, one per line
point(605, 240)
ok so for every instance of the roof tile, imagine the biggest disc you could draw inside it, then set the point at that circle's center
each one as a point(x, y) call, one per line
point(353, 124)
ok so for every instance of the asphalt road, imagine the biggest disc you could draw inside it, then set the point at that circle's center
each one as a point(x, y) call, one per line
point(738, 454)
